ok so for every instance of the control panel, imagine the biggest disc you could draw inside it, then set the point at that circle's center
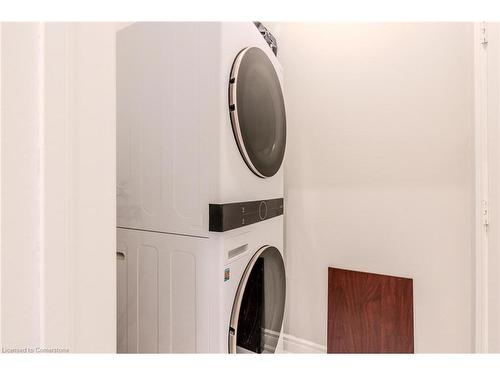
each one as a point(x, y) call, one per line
point(224, 217)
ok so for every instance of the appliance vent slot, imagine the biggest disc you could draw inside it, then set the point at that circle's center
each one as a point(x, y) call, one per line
point(237, 251)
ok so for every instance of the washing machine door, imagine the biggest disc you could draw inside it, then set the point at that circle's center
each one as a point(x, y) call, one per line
point(259, 304)
point(257, 111)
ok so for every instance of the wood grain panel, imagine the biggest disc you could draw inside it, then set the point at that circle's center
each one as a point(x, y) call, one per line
point(369, 313)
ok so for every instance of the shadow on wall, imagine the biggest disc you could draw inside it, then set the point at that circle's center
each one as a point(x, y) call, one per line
point(379, 169)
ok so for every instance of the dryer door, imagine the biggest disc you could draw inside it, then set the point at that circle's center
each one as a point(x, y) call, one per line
point(257, 111)
point(258, 307)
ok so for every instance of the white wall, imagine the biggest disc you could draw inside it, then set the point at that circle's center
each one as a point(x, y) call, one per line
point(379, 169)
point(379, 176)
point(20, 179)
point(58, 186)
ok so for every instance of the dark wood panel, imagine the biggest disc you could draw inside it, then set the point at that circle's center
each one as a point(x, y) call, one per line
point(369, 313)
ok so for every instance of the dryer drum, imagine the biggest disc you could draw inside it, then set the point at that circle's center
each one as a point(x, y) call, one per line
point(257, 314)
point(257, 111)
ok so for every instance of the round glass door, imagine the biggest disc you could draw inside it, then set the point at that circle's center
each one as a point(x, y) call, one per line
point(258, 307)
point(257, 111)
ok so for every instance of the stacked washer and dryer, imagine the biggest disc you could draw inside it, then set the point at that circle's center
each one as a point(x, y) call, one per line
point(201, 138)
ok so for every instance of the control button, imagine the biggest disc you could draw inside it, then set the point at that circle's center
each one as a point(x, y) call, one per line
point(263, 210)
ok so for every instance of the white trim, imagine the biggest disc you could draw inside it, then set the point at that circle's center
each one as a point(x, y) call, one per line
point(41, 180)
point(71, 183)
point(55, 124)
point(271, 340)
point(1, 254)
point(481, 192)
point(292, 344)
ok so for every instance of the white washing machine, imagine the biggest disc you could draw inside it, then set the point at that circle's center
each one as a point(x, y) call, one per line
point(201, 134)
point(200, 121)
point(186, 294)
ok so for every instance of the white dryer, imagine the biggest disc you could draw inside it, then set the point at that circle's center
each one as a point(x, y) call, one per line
point(201, 134)
point(200, 121)
point(185, 294)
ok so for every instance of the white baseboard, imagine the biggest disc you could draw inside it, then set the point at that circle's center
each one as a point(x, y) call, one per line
point(271, 340)
point(288, 344)
point(292, 345)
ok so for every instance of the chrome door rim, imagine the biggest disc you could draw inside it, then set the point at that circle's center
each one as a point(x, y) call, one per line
point(234, 111)
point(235, 312)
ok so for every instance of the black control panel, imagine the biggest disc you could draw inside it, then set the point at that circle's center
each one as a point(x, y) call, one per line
point(229, 216)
